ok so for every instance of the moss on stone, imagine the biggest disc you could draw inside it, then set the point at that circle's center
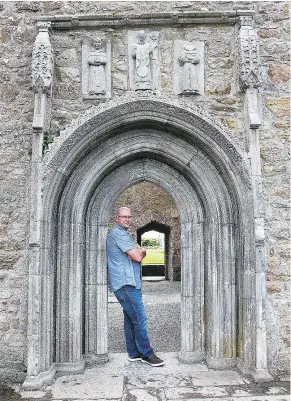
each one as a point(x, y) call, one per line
point(283, 193)
point(282, 124)
point(221, 91)
point(46, 141)
point(279, 106)
point(273, 288)
point(231, 123)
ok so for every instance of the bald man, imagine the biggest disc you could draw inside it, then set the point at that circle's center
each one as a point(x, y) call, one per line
point(124, 258)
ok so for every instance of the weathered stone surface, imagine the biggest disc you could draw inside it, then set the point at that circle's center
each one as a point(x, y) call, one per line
point(279, 106)
point(274, 288)
point(102, 386)
point(27, 6)
point(221, 99)
point(279, 73)
point(269, 32)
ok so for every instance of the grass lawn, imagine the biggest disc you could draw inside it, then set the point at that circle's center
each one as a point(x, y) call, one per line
point(154, 256)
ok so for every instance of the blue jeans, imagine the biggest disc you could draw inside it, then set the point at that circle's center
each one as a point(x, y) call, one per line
point(135, 319)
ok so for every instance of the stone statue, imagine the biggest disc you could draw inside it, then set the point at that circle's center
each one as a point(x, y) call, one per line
point(142, 52)
point(189, 59)
point(97, 62)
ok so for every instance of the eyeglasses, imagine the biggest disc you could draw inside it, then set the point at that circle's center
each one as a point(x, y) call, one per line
point(125, 217)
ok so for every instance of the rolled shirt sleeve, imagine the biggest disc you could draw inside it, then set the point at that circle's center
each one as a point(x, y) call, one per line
point(124, 241)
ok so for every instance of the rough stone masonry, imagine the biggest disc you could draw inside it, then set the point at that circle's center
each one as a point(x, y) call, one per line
point(198, 103)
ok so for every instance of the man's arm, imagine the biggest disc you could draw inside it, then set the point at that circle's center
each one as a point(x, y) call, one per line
point(137, 254)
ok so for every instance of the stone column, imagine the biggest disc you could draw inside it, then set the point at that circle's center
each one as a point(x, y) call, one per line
point(39, 302)
point(220, 295)
point(254, 360)
point(96, 338)
point(192, 292)
point(69, 299)
point(76, 269)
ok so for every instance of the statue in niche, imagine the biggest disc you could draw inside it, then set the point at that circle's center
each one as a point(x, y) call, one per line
point(142, 52)
point(189, 59)
point(97, 62)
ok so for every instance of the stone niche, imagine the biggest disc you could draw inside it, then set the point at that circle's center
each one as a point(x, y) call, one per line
point(96, 68)
point(143, 60)
point(188, 72)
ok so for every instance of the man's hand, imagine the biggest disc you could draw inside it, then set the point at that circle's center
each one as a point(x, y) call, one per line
point(137, 254)
point(143, 250)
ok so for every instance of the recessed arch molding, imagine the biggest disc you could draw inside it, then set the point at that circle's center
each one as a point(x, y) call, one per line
point(207, 175)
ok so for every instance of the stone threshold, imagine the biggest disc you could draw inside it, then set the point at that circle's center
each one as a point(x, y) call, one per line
point(126, 381)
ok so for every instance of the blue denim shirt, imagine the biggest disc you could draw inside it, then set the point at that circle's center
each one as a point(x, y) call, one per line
point(122, 270)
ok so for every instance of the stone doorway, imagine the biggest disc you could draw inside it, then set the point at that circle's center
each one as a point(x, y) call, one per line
point(166, 231)
point(149, 140)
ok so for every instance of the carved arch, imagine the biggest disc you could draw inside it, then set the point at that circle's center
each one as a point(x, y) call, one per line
point(208, 177)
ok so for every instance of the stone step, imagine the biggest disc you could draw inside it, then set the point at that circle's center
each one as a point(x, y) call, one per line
point(121, 380)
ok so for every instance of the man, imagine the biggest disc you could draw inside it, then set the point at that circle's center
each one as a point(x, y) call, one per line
point(124, 258)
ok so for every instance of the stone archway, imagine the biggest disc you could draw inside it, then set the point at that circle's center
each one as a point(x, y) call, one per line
point(208, 178)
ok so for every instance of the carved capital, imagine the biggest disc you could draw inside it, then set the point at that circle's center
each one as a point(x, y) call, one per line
point(42, 60)
point(249, 59)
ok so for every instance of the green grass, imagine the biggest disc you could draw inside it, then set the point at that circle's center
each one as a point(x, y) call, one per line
point(154, 256)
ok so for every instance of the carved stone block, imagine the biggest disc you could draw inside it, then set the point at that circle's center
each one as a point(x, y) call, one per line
point(42, 77)
point(249, 58)
point(143, 60)
point(188, 73)
point(96, 68)
point(249, 72)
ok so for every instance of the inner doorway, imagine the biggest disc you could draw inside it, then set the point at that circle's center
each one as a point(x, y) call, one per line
point(153, 265)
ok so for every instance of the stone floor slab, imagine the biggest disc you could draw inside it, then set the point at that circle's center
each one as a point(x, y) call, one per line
point(156, 381)
point(217, 378)
point(88, 386)
point(212, 391)
point(276, 390)
point(32, 394)
point(145, 395)
point(180, 393)
point(142, 395)
point(240, 393)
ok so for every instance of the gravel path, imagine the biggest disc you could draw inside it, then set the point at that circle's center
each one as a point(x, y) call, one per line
point(163, 306)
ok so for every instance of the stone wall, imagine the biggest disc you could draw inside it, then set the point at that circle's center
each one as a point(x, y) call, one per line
point(275, 143)
point(221, 99)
